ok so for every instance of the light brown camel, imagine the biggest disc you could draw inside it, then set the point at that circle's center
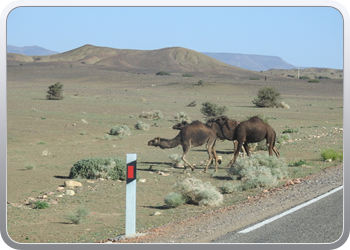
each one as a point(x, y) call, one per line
point(194, 134)
point(250, 131)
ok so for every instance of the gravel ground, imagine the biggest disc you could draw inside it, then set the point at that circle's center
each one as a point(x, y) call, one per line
point(206, 227)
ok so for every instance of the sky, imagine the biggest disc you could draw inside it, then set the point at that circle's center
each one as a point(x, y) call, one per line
point(302, 36)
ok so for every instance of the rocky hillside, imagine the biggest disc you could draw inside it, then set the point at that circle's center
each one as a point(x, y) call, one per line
point(172, 60)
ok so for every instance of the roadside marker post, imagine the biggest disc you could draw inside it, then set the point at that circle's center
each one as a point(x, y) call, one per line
point(130, 222)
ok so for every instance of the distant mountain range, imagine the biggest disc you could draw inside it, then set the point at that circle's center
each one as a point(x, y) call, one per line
point(245, 61)
point(30, 50)
point(251, 62)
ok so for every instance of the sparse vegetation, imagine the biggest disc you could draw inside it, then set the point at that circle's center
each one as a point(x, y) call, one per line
point(142, 125)
point(93, 168)
point(41, 205)
point(173, 200)
point(211, 110)
point(267, 97)
point(290, 130)
point(331, 154)
point(254, 79)
point(196, 192)
point(154, 114)
point(162, 73)
point(77, 216)
point(120, 130)
point(314, 80)
point(259, 171)
point(55, 92)
point(182, 117)
point(187, 75)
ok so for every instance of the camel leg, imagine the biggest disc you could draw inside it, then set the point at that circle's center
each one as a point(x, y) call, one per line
point(212, 155)
point(185, 150)
point(277, 153)
point(235, 147)
point(246, 148)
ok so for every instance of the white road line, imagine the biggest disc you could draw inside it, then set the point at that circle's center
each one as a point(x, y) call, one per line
point(247, 230)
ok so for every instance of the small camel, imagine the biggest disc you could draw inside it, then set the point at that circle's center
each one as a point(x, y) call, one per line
point(250, 131)
point(194, 134)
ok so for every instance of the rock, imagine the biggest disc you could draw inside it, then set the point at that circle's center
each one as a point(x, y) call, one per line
point(142, 180)
point(72, 184)
point(328, 160)
point(156, 213)
point(70, 192)
point(60, 189)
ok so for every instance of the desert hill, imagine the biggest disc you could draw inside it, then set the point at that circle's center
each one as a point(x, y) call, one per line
point(172, 60)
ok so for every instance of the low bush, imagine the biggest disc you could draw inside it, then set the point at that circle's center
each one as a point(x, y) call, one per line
point(211, 110)
point(93, 168)
point(142, 126)
point(78, 215)
point(229, 187)
point(154, 114)
point(196, 192)
point(259, 170)
point(55, 92)
point(331, 154)
point(41, 205)
point(176, 160)
point(173, 200)
point(162, 73)
point(120, 130)
point(187, 75)
point(267, 97)
point(182, 117)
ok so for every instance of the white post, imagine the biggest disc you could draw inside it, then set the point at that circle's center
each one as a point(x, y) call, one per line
point(130, 222)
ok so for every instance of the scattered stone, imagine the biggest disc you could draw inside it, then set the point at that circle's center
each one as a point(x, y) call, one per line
point(156, 213)
point(72, 184)
point(50, 193)
point(88, 181)
point(70, 192)
point(328, 160)
point(59, 196)
point(45, 153)
point(84, 121)
point(60, 189)
point(142, 180)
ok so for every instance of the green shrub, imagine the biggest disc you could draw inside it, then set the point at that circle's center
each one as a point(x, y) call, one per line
point(313, 80)
point(298, 163)
point(78, 215)
point(120, 130)
point(211, 110)
point(142, 126)
point(162, 73)
point(196, 192)
point(259, 170)
point(176, 160)
point(267, 97)
point(55, 92)
point(93, 168)
point(331, 154)
point(304, 77)
point(41, 205)
point(254, 78)
point(173, 200)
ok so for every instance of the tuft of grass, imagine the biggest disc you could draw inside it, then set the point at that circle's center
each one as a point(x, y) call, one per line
point(30, 166)
point(229, 187)
point(173, 200)
point(298, 163)
point(331, 154)
point(77, 216)
point(41, 205)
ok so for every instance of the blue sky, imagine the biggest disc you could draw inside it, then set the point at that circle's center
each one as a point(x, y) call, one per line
point(302, 36)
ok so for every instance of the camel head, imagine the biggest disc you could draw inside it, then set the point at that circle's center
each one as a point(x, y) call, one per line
point(154, 142)
point(180, 125)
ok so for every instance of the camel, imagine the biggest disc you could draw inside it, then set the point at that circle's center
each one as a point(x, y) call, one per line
point(250, 131)
point(194, 134)
point(180, 125)
point(232, 124)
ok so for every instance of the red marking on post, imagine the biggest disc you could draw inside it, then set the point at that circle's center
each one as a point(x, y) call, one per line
point(130, 172)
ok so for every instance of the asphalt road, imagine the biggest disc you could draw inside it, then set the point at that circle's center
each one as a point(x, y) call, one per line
point(319, 222)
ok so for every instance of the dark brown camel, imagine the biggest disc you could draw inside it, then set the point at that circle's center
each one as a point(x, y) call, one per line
point(250, 131)
point(194, 134)
point(232, 124)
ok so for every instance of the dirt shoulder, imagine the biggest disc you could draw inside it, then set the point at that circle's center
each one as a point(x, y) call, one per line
point(206, 227)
